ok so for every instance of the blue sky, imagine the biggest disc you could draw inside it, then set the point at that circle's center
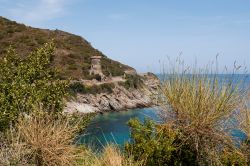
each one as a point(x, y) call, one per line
point(141, 33)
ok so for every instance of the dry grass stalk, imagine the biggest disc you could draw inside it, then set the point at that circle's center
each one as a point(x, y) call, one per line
point(245, 116)
point(201, 106)
point(49, 139)
point(110, 156)
point(12, 150)
point(41, 139)
point(44, 140)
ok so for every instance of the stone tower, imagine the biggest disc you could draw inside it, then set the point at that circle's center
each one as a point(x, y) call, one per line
point(96, 67)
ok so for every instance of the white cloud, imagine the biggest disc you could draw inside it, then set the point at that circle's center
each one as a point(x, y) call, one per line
point(38, 11)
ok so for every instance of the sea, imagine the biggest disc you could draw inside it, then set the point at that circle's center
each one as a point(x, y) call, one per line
point(112, 128)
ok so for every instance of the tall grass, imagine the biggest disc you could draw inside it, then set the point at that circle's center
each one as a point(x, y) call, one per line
point(47, 140)
point(245, 127)
point(112, 156)
point(201, 106)
point(12, 150)
point(245, 117)
point(41, 139)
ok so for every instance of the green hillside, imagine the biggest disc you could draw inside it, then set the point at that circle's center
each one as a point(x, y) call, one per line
point(72, 55)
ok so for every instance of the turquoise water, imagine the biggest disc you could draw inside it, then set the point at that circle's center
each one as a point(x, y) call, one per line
point(112, 127)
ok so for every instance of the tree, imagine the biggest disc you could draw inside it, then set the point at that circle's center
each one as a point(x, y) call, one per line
point(28, 83)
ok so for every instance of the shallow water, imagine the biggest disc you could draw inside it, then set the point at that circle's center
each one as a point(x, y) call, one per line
point(112, 127)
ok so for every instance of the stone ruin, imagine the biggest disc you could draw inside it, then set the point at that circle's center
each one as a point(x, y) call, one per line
point(96, 68)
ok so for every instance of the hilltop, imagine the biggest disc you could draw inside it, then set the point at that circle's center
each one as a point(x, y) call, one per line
point(115, 87)
point(72, 55)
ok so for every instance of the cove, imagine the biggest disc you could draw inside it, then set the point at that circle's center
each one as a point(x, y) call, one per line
point(112, 127)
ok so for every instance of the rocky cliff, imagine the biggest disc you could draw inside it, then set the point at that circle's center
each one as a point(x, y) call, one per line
point(120, 99)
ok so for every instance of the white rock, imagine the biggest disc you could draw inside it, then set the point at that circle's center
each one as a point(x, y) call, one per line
point(79, 107)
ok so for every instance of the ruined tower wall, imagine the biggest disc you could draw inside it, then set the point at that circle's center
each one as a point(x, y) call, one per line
point(96, 67)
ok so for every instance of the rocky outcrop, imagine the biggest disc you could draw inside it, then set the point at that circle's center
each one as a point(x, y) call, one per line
point(120, 99)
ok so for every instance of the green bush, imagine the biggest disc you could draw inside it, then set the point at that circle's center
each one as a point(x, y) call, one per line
point(103, 88)
point(74, 56)
point(77, 87)
point(2, 35)
point(111, 67)
point(158, 146)
point(132, 81)
point(10, 30)
point(40, 40)
point(229, 158)
point(28, 83)
point(72, 67)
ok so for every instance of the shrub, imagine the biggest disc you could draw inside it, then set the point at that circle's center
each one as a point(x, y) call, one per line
point(103, 88)
point(202, 107)
point(132, 81)
point(234, 157)
point(70, 61)
point(74, 56)
point(29, 83)
point(110, 67)
point(72, 67)
point(2, 35)
point(77, 87)
point(107, 88)
point(10, 30)
point(40, 40)
point(85, 69)
point(198, 117)
point(41, 139)
point(156, 145)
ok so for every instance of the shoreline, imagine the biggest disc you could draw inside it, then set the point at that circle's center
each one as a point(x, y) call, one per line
point(120, 98)
point(115, 102)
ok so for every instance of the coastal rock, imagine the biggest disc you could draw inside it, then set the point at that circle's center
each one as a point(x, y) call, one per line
point(79, 107)
point(120, 99)
point(103, 102)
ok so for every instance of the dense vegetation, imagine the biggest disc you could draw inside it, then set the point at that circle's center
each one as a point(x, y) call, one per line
point(132, 81)
point(33, 129)
point(78, 87)
point(31, 104)
point(28, 84)
point(72, 54)
point(157, 146)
